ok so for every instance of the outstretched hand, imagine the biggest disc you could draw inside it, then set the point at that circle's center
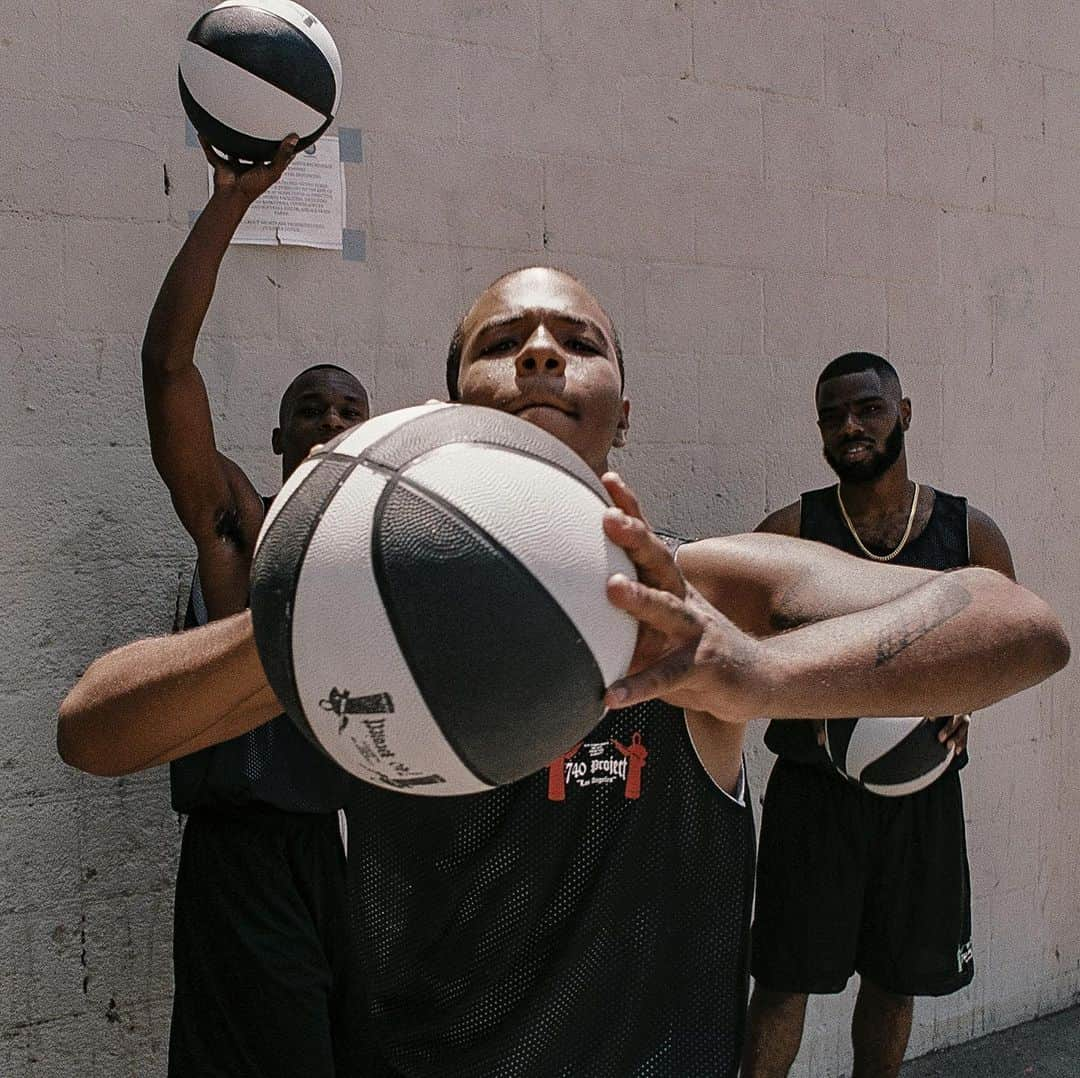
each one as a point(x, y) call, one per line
point(688, 653)
point(249, 180)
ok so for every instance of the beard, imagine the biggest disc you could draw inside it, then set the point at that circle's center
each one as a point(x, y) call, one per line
point(872, 467)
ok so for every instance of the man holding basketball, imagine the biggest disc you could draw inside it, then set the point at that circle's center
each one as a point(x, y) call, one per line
point(260, 891)
point(863, 912)
point(591, 933)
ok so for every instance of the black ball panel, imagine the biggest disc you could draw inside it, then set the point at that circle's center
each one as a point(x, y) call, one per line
point(909, 759)
point(271, 48)
point(275, 570)
point(447, 588)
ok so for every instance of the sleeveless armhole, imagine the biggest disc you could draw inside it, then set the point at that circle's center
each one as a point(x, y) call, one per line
point(739, 797)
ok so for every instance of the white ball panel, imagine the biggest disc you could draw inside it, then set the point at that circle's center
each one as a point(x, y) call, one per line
point(308, 25)
point(242, 101)
point(354, 444)
point(500, 490)
point(343, 640)
point(872, 738)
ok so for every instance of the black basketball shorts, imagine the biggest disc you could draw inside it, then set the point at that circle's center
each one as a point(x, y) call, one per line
point(260, 947)
point(850, 881)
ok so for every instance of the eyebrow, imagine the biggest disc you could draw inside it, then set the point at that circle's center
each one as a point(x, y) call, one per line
point(855, 400)
point(568, 319)
point(315, 394)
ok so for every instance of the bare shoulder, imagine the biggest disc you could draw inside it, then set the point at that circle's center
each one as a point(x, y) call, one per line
point(786, 521)
point(987, 545)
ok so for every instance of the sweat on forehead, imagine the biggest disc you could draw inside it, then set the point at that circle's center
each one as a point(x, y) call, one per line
point(309, 374)
point(524, 277)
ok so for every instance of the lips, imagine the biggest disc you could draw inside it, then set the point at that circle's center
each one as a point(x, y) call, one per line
point(850, 449)
point(551, 405)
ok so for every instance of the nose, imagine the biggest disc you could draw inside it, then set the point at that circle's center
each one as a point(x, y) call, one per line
point(850, 426)
point(541, 354)
point(332, 422)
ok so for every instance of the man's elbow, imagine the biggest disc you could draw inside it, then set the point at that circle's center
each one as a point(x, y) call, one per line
point(1056, 649)
point(77, 749)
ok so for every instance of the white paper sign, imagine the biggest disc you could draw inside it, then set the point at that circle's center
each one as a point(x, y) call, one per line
point(305, 207)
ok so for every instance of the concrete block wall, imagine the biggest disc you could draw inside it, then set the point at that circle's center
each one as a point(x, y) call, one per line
point(751, 186)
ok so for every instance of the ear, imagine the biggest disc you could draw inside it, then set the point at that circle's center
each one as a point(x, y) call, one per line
point(623, 429)
point(275, 441)
point(905, 413)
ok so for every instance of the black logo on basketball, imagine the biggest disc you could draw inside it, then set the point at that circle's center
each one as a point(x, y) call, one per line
point(343, 704)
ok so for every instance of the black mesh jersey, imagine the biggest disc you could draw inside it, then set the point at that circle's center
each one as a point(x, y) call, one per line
point(942, 544)
point(589, 921)
point(274, 764)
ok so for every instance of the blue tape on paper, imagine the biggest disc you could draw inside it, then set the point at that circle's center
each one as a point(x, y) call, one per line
point(354, 245)
point(191, 138)
point(351, 145)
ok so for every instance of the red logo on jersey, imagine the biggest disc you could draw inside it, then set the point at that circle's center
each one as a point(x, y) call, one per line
point(636, 754)
point(598, 765)
point(557, 773)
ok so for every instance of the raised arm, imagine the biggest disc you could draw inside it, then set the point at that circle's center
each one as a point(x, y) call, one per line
point(874, 640)
point(213, 498)
point(162, 698)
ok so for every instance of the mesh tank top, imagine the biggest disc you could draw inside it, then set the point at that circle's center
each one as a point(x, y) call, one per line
point(274, 764)
point(942, 544)
point(589, 921)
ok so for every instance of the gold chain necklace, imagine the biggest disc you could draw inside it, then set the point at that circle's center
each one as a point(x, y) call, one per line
point(903, 541)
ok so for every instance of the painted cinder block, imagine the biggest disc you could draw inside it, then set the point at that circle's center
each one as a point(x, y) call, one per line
point(702, 126)
point(811, 145)
point(424, 193)
point(515, 25)
point(945, 166)
point(877, 72)
point(646, 38)
point(627, 212)
point(738, 45)
point(820, 317)
point(110, 273)
point(993, 93)
point(1062, 107)
point(966, 23)
point(709, 310)
point(1038, 179)
point(31, 49)
point(886, 238)
point(421, 97)
point(538, 104)
point(1046, 33)
point(759, 227)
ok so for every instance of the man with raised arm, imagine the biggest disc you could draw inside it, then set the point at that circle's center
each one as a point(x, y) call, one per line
point(593, 934)
point(259, 925)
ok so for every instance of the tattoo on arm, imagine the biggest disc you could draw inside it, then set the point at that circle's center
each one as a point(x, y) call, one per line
point(951, 598)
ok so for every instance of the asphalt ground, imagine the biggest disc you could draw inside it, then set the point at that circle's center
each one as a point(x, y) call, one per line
point(1044, 1048)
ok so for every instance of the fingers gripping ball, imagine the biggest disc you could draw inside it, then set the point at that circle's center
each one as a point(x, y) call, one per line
point(253, 71)
point(891, 757)
point(428, 596)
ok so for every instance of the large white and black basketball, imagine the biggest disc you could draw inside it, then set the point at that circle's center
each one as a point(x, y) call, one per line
point(253, 71)
point(888, 756)
point(428, 597)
